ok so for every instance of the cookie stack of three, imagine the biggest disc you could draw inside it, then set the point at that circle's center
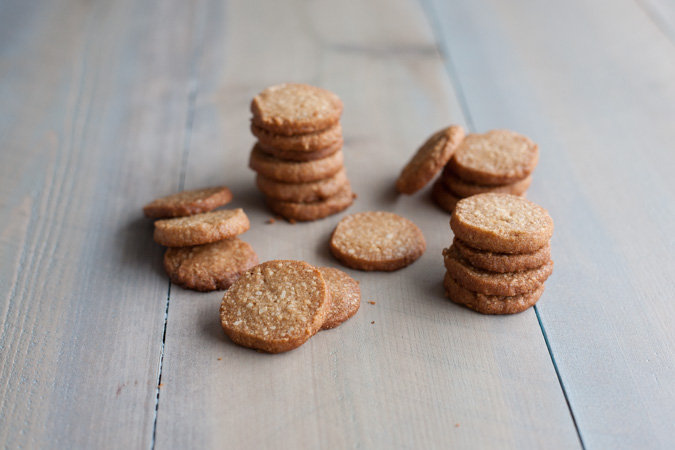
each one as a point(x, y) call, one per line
point(501, 254)
point(298, 156)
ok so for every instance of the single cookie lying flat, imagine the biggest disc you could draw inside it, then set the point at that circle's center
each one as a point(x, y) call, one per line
point(307, 143)
point(209, 267)
point(377, 241)
point(501, 223)
point(494, 283)
point(295, 172)
point(443, 197)
point(187, 203)
point(313, 211)
point(490, 304)
point(201, 228)
point(496, 157)
point(429, 159)
point(503, 262)
point(293, 155)
point(292, 108)
point(275, 306)
point(314, 191)
point(345, 296)
point(463, 189)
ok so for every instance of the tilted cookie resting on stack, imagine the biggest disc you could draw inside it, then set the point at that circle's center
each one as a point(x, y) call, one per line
point(501, 254)
point(298, 157)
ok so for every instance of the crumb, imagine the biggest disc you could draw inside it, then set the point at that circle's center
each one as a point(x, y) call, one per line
point(372, 303)
point(220, 359)
point(291, 221)
point(372, 322)
point(271, 220)
point(355, 195)
point(160, 385)
point(456, 425)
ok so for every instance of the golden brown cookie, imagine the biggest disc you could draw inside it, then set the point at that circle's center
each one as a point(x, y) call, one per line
point(314, 191)
point(290, 108)
point(292, 155)
point(501, 223)
point(490, 304)
point(345, 296)
point(201, 228)
point(496, 157)
point(429, 159)
point(275, 306)
point(187, 203)
point(494, 283)
point(295, 172)
point(313, 211)
point(503, 262)
point(377, 240)
point(463, 189)
point(309, 142)
point(209, 267)
point(443, 197)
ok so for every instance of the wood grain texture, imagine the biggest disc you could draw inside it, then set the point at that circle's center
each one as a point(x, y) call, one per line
point(601, 104)
point(93, 101)
point(426, 373)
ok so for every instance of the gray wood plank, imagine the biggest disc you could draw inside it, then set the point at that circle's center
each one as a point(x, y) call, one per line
point(93, 106)
point(592, 83)
point(426, 373)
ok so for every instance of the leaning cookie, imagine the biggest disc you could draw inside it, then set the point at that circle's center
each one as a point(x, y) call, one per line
point(188, 203)
point(345, 296)
point(201, 228)
point(313, 211)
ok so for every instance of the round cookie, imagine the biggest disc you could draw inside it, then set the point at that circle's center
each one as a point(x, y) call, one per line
point(313, 211)
point(429, 159)
point(443, 197)
point(503, 262)
point(490, 304)
point(201, 228)
point(494, 158)
point(377, 240)
point(308, 143)
point(275, 306)
point(291, 108)
point(494, 283)
point(292, 155)
point(501, 223)
point(345, 296)
point(314, 191)
point(295, 172)
point(209, 267)
point(463, 189)
point(188, 203)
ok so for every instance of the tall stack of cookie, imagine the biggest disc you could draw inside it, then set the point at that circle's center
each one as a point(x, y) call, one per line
point(501, 254)
point(298, 157)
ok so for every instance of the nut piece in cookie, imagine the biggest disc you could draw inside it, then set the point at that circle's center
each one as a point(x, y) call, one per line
point(201, 228)
point(188, 203)
point(430, 158)
point(501, 223)
point(303, 212)
point(209, 267)
point(292, 108)
point(377, 241)
point(275, 306)
point(345, 296)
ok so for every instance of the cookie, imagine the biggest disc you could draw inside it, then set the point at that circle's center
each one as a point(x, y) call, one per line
point(275, 306)
point(293, 155)
point(314, 191)
point(494, 283)
point(377, 240)
point(313, 211)
point(209, 267)
point(463, 189)
point(295, 172)
point(307, 143)
point(503, 262)
point(443, 197)
point(501, 223)
point(496, 157)
point(490, 304)
point(429, 159)
point(201, 228)
point(188, 203)
point(290, 108)
point(345, 296)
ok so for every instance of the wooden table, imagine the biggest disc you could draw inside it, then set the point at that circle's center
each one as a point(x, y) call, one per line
point(106, 105)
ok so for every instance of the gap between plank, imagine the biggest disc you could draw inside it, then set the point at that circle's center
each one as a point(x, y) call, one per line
point(654, 16)
point(444, 52)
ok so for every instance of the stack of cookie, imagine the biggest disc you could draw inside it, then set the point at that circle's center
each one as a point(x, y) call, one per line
point(501, 254)
point(204, 253)
point(498, 161)
point(298, 156)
